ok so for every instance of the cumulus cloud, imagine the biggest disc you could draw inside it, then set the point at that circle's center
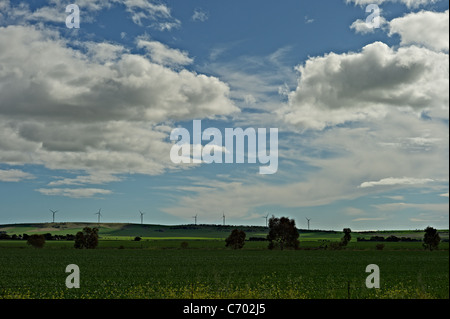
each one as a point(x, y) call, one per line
point(361, 26)
point(427, 28)
point(71, 86)
point(339, 88)
point(96, 109)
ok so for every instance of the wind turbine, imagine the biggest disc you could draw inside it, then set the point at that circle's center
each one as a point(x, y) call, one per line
point(195, 219)
point(54, 212)
point(223, 216)
point(142, 217)
point(99, 214)
point(308, 219)
point(266, 218)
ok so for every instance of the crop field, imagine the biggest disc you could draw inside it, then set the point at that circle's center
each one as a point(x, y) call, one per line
point(207, 270)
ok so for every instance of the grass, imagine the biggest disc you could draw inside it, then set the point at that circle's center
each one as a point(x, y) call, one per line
point(201, 273)
point(157, 267)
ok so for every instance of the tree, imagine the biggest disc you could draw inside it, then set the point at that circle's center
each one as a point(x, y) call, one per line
point(236, 240)
point(37, 241)
point(431, 238)
point(347, 237)
point(88, 238)
point(282, 233)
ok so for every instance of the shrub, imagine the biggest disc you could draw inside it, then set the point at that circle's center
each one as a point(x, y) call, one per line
point(379, 246)
point(37, 241)
point(347, 237)
point(88, 238)
point(236, 240)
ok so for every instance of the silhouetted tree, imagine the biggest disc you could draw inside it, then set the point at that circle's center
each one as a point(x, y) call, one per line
point(236, 240)
point(347, 237)
point(282, 233)
point(88, 238)
point(37, 241)
point(431, 238)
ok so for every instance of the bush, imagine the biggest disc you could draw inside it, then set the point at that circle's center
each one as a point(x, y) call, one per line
point(37, 241)
point(379, 246)
point(236, 240)
point(88, 238)
point(347, 237)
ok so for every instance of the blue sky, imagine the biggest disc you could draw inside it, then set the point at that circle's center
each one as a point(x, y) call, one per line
point(362, 113)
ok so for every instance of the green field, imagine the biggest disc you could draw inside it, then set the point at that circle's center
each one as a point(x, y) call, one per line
point(157, 266)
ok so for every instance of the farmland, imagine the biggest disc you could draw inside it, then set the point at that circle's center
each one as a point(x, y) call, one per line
point(157, 267)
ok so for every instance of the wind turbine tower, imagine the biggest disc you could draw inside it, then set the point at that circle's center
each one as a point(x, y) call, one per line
point(99, 214)
point(195, 219)
point(53, 212)
point(267, 216)
point(223, 216)
point(308, 219)
point(142, 217)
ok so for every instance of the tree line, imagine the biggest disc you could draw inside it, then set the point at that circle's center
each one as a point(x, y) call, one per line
point(283, 234)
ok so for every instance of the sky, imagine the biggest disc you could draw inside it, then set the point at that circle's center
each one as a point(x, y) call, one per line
point(357, 89)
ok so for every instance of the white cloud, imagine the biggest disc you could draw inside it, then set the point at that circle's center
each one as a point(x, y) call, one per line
point(361, 26)
point(162, 54)
point(328, 166)
point(356, 86)
point(408, 3)
point(103, 52)
point(308, 20)
point(97, 110)
point(427, 28)
point(74, 192)
point(200, 15)
point(396, 181)
point(94, 178)
point(440, 207)
point(140, 12)
point(14, 175)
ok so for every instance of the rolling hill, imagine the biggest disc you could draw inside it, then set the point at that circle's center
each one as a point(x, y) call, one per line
point(204, 231)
